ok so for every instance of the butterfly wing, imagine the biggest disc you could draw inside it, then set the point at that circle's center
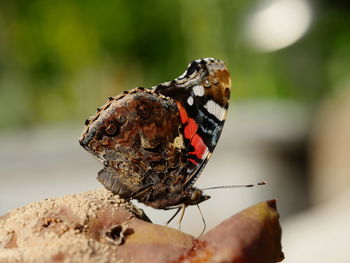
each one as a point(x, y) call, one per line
point(202, 95)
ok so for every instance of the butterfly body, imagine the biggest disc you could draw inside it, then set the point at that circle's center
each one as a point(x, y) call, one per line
point(155, 142)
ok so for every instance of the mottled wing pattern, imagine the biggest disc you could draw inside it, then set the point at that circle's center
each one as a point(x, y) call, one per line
point(154, 143)
point(202, 95)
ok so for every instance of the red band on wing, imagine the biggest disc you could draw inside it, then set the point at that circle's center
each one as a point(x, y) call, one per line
point(199, 146)
point(192, 161)
point(190, 126)
point(190, 129)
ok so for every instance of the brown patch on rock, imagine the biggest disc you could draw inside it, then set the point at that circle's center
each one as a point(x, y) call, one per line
point(252, 236)
point(59, 257)
point(200, 252)
point(12, 240)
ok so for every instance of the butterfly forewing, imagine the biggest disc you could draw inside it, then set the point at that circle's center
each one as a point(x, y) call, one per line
point(202, 94)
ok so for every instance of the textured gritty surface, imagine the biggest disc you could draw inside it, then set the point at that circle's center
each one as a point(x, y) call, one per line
point(98, 227)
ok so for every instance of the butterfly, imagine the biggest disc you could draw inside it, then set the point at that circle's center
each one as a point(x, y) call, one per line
point(154, 143)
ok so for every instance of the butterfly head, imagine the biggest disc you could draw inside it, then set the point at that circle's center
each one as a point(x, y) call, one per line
point(196, 197)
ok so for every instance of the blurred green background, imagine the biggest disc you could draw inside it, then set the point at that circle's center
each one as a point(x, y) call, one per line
point(61, 59)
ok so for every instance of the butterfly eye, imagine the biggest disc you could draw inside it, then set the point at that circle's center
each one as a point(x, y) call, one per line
point(195, 195)
point(215, 81)
point(207, 83)
point(111, 129)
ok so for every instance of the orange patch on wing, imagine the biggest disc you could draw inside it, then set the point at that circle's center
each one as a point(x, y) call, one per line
point(183, 113)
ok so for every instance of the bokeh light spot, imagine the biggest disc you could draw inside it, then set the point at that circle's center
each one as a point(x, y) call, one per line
point(278, 24)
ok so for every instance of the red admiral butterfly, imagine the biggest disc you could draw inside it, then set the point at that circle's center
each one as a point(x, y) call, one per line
point(154, 143)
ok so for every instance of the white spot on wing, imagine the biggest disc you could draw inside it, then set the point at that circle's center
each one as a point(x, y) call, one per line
point(198, 90)
point(190, 100)
point(215, 109)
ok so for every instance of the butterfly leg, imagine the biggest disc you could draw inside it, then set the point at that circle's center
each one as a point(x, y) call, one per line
point(204, 223)
point(171, 219)
point(183, 208)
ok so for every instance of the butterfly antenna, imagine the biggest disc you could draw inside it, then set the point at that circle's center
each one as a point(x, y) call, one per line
point(204, 223)
point(234, 186)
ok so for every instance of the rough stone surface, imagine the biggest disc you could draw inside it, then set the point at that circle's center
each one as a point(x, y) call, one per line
point(97, 226)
